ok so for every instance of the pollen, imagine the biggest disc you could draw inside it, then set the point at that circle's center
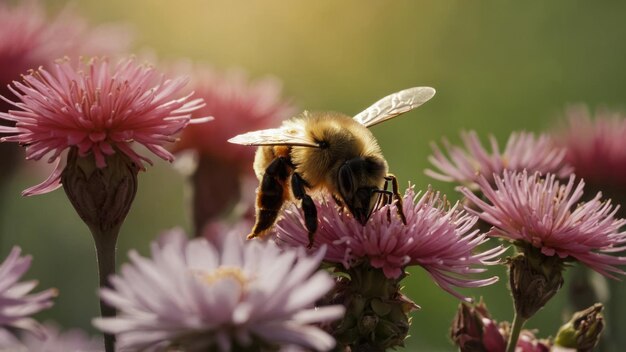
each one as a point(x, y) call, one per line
point(222, 273)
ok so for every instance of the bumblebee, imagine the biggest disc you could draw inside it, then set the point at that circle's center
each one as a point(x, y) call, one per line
point(327, 151)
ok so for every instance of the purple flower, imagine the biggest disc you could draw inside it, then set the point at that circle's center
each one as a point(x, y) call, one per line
point(190, 296)
point(522, 151)
point(547, 215)
point(437, 238)
point(16, 304)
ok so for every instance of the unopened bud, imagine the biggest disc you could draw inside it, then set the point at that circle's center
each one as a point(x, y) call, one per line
point(474, 331)
point(534, 279)
point(583, 331)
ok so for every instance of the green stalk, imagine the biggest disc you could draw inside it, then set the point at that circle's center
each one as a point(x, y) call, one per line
point(516, 328)
point(106, 245)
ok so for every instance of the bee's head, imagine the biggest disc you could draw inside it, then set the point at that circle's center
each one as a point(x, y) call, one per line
point(359, 180)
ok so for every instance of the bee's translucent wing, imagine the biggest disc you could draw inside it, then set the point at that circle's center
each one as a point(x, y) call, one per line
point(394, 105)
point(287, 135)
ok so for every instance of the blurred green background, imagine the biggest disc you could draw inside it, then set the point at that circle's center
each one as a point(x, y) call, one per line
point(498, 66)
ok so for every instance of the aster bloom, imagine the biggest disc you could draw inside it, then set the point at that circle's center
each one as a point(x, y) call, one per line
point(239, 105)
point(522, 151)
point(55, 340)
point(190, 296)
point(16, 304)
point(28, 39)
point(596, 148)
point(98, 110)
point(547, 215)
point(437, 238)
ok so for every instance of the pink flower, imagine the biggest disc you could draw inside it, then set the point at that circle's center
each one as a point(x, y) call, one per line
point(16, 304)
point(597, 148)
point(191, 296)
point(99, 110)
point(28, 39)
point(239, 105)
point(523, 151)
point(436, 238)
point(547, 215)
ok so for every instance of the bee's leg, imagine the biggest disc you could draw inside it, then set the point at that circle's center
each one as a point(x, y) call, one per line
point(396, 194)
point(271, 195)
point(384, 196)
point(308, 207)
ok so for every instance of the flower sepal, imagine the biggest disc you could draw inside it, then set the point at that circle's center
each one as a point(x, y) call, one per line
point(101, 196)
point(377, 315)
point(534, 279)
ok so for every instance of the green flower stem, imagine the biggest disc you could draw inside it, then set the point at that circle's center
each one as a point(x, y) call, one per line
point(518, 323)
point(106, 243)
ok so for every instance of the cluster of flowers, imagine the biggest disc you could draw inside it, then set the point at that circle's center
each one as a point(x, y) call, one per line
point(220, 292)
point(533, 195)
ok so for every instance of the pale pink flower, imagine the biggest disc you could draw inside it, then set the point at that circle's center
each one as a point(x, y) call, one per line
point(522, 151)
point(16, 304)
point(191, 296)
point(98, 109)
point(55, 340)
point(547, 215)
point(437, 238)
point(596, 148)
point(239, 105)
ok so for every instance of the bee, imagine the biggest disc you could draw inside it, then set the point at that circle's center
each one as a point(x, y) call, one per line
point(327, 151)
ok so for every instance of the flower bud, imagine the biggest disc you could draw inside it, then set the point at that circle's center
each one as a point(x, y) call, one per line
point(473, 330)
point(101, 196)
point(583, 331)
point(534, 279)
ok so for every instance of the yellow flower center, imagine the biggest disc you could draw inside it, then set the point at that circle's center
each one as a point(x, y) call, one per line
point(221, 273)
